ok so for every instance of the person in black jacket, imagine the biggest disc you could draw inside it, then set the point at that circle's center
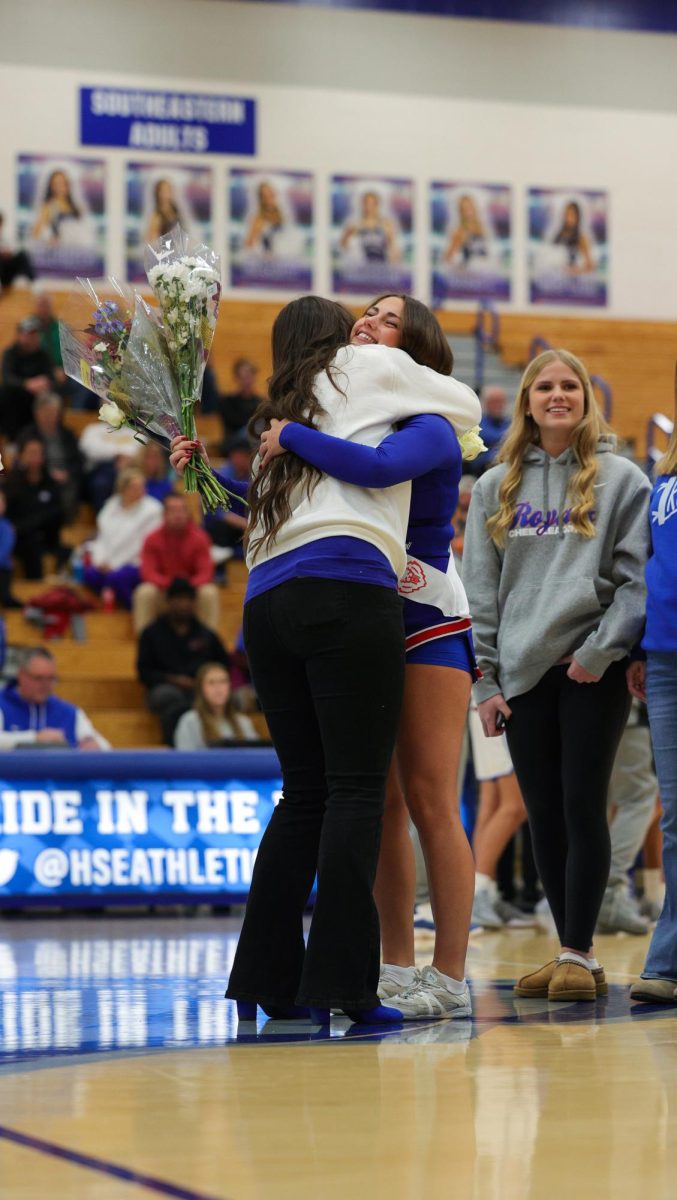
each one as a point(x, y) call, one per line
point(62, 455)
point(237, 408)
point(171, 649)
point(26, 372)
point(34, 506)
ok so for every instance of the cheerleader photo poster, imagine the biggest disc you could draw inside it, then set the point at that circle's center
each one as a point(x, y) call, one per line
point(61, 214)
point(271, 230)
point(372, 236)
point(470, 242)
point(568, 247)
point(159, 196)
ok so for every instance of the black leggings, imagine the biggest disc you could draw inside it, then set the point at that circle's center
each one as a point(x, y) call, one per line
point(327, 662)
point(563, 738)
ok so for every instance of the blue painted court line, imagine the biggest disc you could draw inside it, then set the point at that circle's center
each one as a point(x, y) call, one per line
point(104, 1168)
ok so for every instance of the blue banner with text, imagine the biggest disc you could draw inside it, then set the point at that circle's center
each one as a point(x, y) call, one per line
point(172, 122)
point(106, 840)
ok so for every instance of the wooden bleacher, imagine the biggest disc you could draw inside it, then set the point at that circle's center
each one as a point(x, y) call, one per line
point(637, 358)
point(99, 674)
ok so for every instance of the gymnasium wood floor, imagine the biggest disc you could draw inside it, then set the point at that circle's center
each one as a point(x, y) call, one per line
point(123, 1073)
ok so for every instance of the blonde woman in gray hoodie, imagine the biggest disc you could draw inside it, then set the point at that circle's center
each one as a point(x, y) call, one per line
point(555, 548)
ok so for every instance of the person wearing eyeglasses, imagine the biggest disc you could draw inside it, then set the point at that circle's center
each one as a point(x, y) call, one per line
point(31, 715)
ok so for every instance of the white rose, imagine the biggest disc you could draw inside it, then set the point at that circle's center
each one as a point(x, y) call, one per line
point(111, 414)
point(101, 347)
point(471, 443)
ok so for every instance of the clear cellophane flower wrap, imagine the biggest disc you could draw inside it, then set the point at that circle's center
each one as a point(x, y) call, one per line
point(185, 276)
point(117, 349)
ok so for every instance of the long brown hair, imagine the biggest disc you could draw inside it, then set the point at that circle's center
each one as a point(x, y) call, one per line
point(208, 718)
point(422, 337)
point(306, 335)
point(523, 432)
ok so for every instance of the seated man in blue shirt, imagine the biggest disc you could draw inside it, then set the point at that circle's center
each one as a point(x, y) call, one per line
point(30, 715)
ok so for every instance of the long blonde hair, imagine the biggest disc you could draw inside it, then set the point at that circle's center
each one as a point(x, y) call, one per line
point(668, 463)
point(524, 432)
point(209, 720)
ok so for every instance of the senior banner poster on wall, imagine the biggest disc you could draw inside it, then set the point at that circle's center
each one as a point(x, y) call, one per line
point(61, 214)
point(75, 839)
point(272, 231)
point(568, 247)
point(470, 242)
point(372, 236)
point(158, 196)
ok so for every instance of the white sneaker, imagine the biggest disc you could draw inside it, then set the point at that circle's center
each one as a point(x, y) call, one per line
point(429, 999)
point(423, 918)
point(391, 985)
point(513, 917)
point(484, 911)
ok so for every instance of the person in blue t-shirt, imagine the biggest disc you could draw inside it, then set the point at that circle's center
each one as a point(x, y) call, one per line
point(7, 540)
point(655, 680)
point(31, 715)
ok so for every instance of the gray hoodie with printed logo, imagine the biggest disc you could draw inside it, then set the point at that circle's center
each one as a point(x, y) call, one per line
point(551, 593)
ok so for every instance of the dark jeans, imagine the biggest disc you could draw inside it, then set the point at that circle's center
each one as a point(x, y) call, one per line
point(168, 702)
point(13, 265)
point(327, 660)
point(31, 546)
point(563, 738)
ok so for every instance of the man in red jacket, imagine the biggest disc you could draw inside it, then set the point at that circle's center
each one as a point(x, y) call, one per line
point(178, 549)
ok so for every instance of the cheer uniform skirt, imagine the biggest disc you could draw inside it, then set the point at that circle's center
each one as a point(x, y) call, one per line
point(447, 644)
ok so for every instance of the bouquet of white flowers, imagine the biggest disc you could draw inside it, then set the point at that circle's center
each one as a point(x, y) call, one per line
point(120, 352)
point(186, 280)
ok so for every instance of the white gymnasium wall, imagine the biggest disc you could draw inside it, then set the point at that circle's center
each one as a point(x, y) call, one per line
point(364, 92)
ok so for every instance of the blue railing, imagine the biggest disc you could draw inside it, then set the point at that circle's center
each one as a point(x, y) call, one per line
point(486, 333)
point(538, 344)
point(658, 423)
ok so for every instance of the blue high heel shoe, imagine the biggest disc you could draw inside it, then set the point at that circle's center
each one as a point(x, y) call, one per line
point(380, 1014)
point(246, 1011)
point(320, 1016)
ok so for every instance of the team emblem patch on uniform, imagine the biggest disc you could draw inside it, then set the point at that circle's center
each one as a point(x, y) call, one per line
point(413, 579)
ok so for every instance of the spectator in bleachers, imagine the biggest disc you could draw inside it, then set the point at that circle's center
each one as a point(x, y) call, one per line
point(62, 456)
point(35, 508)
point(105, 452)
point(226, 529)
point(171, 651)
point(238, 407)
point(30, 714)
point(465, 487)
point(210, 399)
point(244, 694)
point(43, 312)
point(26, 372)
point(14, 264)
point(7, 540)
point(213, 720)
point(178, 549)
point(121, 529)
point(494, 425)
point(154, 462)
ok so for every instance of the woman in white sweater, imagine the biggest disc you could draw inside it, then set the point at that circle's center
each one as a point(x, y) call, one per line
point(121, 529)
point(324, 634)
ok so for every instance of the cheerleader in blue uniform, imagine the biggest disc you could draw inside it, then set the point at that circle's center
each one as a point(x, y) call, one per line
point(439, 673)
